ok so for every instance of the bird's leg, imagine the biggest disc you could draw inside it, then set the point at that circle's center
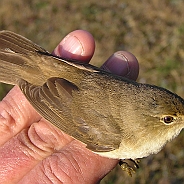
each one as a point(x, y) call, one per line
point(129, 165)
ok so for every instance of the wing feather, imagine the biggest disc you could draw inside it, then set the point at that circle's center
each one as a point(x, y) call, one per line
point(56, 106)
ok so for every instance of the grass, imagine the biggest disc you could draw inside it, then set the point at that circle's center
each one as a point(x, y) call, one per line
point(152, 30)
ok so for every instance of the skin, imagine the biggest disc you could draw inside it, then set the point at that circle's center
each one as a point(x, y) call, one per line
point(34, 151)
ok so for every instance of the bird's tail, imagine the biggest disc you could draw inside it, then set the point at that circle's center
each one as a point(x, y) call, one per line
point(16, 58)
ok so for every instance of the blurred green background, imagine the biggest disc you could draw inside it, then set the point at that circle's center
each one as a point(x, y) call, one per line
point(152, 30)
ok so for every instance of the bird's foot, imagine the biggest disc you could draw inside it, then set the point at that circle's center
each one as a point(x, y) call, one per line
point(129, 165)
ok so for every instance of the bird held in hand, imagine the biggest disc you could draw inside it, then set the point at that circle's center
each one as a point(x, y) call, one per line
point(115, 117)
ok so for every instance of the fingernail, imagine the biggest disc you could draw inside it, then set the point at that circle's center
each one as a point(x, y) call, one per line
point(71, 46)
point(118, 64)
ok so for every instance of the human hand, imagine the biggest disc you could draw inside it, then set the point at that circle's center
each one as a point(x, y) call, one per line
point(34, 151)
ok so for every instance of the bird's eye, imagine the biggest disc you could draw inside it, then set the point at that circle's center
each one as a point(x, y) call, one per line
point(168, 119)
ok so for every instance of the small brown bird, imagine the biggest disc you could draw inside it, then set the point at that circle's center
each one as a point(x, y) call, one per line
point(115, 117)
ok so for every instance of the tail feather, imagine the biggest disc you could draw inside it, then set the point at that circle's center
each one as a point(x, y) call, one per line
point(20, 58)
point(18, 43)
point(9, 69)
point(16, 58)
point(14, 66)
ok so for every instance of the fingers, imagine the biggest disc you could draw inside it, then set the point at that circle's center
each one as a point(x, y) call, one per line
point(16, 113)
point(28, 148)
point(122, 63)
point(73, 164)
point(78, 45)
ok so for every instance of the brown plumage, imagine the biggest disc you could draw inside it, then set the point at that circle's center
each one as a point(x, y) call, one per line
point(113, 116)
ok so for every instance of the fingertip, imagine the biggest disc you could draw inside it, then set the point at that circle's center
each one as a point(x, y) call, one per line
point(122, 63)
point(78, 45)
